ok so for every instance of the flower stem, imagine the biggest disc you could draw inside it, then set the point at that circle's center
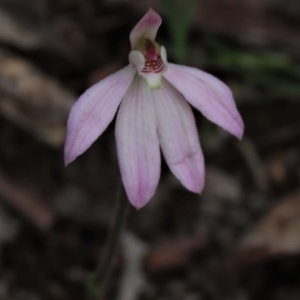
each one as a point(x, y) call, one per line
point(97, 283)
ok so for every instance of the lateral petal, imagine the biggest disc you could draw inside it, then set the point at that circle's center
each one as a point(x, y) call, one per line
point(146, 28)
point(178, 137)
point(93, 111)
point(209, 95)
point(137, 143)
point(137, 60)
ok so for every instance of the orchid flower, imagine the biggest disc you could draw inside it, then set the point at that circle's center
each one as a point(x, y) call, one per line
point(154, 113)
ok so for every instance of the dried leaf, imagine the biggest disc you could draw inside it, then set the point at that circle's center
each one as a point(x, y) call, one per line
point(276, 234)
point(13, 33)
point(223, 186)
point(23, 32)
point(173, 255)
point(32, 100)
point(26, 203)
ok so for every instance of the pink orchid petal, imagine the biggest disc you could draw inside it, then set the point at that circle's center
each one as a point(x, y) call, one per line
point(209, 95)
point(147, 27)
point(137, 60)
point(178, 137)
point(164, 57)
point(137, 143)
point(94, 110)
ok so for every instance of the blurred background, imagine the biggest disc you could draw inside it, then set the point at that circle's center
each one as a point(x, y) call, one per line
point(239, 240)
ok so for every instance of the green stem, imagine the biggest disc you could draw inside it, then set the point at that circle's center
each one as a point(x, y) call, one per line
point(98, 282)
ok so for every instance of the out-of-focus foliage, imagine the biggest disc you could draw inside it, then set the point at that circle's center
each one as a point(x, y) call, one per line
point(179, 16)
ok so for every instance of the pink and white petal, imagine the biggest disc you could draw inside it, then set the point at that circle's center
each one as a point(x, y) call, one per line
point(178, 137)
point(137, 143)
point(164, 58)
point(94, 110)
point(209, 95)
point(137, 60)
point(147, 27)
